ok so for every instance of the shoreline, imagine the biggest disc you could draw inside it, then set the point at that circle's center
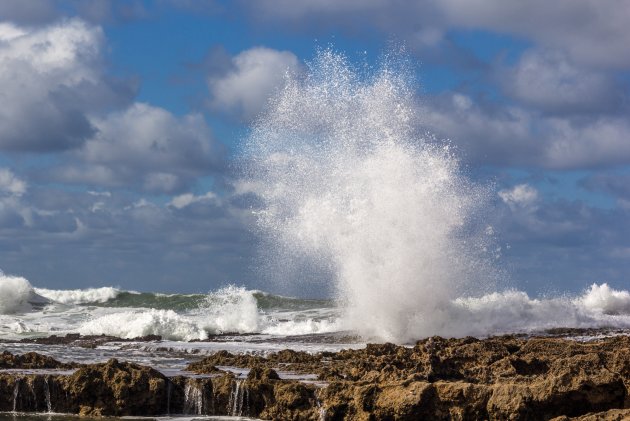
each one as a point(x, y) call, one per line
point(504, 377)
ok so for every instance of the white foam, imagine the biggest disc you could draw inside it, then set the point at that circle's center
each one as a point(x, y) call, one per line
point(514, 311)
point(80, 296)
point(602, 298)
point(303, 327)
point(136, 323)
point(231, 309)
point(15, 294)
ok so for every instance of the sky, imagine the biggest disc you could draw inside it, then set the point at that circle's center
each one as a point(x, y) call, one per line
point(121, 122)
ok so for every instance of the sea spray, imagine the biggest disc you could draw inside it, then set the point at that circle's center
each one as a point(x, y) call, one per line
point(347, 180)
point(15, 294)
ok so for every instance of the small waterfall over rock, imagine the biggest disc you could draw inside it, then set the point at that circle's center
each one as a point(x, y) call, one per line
point(193, 398)
point(320, 407)
point(16, 393)
point(239, 395)
point(47, 394)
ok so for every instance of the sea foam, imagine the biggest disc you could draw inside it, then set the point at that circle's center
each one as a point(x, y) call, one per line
point(231, 309)
point(79, 296)
point(137, 323)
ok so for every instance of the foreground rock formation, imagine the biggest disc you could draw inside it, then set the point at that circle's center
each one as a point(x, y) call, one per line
point(503, 378)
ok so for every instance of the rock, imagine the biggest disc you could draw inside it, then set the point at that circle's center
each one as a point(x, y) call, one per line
point(224, 358)
point(501, 378)
point(29, 360)
point(118, 389)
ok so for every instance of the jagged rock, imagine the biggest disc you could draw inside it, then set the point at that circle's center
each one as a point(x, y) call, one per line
point(118, 388)
point(503, 378)
point(224, 358)
point(611, 415)
point(29, 360)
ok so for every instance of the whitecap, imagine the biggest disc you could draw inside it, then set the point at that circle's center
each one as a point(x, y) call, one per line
point(137, 323)
point(80, 296)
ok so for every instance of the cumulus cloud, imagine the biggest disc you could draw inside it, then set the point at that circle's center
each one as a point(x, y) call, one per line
point(50, 78)
point(519, 196)
point(188, 199)
point(488, 133)
point(253, 76)
point(484, 133)
point(10, 184)
point(551, 82)
point(146, 148)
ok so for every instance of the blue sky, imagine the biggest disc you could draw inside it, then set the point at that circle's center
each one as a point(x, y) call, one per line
point(121, 120)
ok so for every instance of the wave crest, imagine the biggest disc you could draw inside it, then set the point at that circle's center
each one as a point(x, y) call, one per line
point(231, 309)
point(134, 324)
point(606, 300)
point(80, 296)
point(17, 294)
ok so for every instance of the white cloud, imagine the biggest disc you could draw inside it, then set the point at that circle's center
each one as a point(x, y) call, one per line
point(188, 199)
point(10, 184)
point(255, 74)
point(50, 77)
point(521, 196)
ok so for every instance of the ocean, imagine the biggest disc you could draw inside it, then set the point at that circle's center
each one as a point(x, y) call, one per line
point(248, 321)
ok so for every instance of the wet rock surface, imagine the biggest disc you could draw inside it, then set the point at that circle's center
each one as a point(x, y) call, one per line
point(30, 360)
point(83, 341)
point(502, 378)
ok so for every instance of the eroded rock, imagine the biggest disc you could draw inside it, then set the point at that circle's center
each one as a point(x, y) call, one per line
point(503, 378)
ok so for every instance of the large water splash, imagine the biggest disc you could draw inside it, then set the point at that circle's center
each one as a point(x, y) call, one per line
point(347, 180)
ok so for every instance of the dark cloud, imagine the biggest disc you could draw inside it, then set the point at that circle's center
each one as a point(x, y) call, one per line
point(28, 12)
point(144, 148)
point(590, 31)
point(550, 82)
point(504, 135)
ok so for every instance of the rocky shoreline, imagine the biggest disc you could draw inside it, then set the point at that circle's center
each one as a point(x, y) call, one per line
point(499, 378)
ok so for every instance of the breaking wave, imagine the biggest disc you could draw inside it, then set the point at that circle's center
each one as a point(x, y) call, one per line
point(17, 295)
point(80, 296)
point(138, 323)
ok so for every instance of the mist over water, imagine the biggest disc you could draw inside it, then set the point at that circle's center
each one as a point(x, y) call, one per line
point(348, 181)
